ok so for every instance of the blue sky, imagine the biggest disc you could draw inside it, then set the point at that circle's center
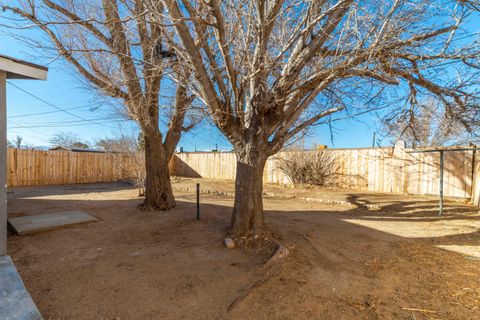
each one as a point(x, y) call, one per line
point(65, 90)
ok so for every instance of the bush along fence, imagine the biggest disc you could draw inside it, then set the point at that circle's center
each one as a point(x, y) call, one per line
point(388, 170)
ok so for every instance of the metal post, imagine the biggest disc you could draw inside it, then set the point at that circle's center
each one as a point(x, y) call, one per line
point(441, 182)
point(3, 163)
point(442, 160)
point(198, 201)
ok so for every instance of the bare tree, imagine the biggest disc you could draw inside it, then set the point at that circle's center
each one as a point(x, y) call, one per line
point(15, 142)
point(115, 48)
point(426, 126)
point(68, 140)
point(267, 69)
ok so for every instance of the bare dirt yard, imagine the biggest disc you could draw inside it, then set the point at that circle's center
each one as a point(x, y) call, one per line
point(397, 261)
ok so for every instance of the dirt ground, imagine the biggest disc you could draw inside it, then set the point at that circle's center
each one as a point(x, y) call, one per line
point(399, 262)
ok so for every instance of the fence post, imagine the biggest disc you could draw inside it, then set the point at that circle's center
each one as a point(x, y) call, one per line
point(198, 201)
point(476, 184)
point(400, 170)
point(442, 160)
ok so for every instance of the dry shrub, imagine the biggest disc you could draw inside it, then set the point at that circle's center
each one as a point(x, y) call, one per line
point(134, 168)
point(314, 168)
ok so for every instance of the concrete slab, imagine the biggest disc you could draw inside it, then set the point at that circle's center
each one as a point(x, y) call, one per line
point(15, 301)
point(42, 222)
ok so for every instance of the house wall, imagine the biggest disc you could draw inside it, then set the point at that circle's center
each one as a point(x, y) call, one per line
point(3, 164)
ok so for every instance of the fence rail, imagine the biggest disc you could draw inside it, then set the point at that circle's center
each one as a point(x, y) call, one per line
point(391, 170)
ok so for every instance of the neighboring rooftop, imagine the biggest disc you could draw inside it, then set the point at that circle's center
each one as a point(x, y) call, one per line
point(75, 149)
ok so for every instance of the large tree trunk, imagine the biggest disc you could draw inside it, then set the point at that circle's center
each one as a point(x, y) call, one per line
point(247, 216)
point(158, 188)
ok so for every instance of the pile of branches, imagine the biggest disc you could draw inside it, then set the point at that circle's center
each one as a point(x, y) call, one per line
point(313, 168)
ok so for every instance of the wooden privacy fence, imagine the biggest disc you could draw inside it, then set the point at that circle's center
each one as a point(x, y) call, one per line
point(391, 170)
point(476, 182)
point(375, 169)
point(34, 167)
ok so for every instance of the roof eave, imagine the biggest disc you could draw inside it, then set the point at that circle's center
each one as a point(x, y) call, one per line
point(17, 69)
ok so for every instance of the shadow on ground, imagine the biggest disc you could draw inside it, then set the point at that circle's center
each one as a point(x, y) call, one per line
point(345, 263)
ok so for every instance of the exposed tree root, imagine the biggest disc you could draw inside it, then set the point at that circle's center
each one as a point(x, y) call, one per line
point(249, 290)
point(280, 254)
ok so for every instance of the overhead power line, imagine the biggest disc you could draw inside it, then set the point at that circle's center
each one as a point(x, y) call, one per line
point(99, 120)
point(66, 125)
point(56, 107)
point(37, 132)
point(46, 112)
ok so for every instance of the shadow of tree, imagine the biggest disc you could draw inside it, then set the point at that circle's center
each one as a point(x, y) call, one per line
point(338, 267)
